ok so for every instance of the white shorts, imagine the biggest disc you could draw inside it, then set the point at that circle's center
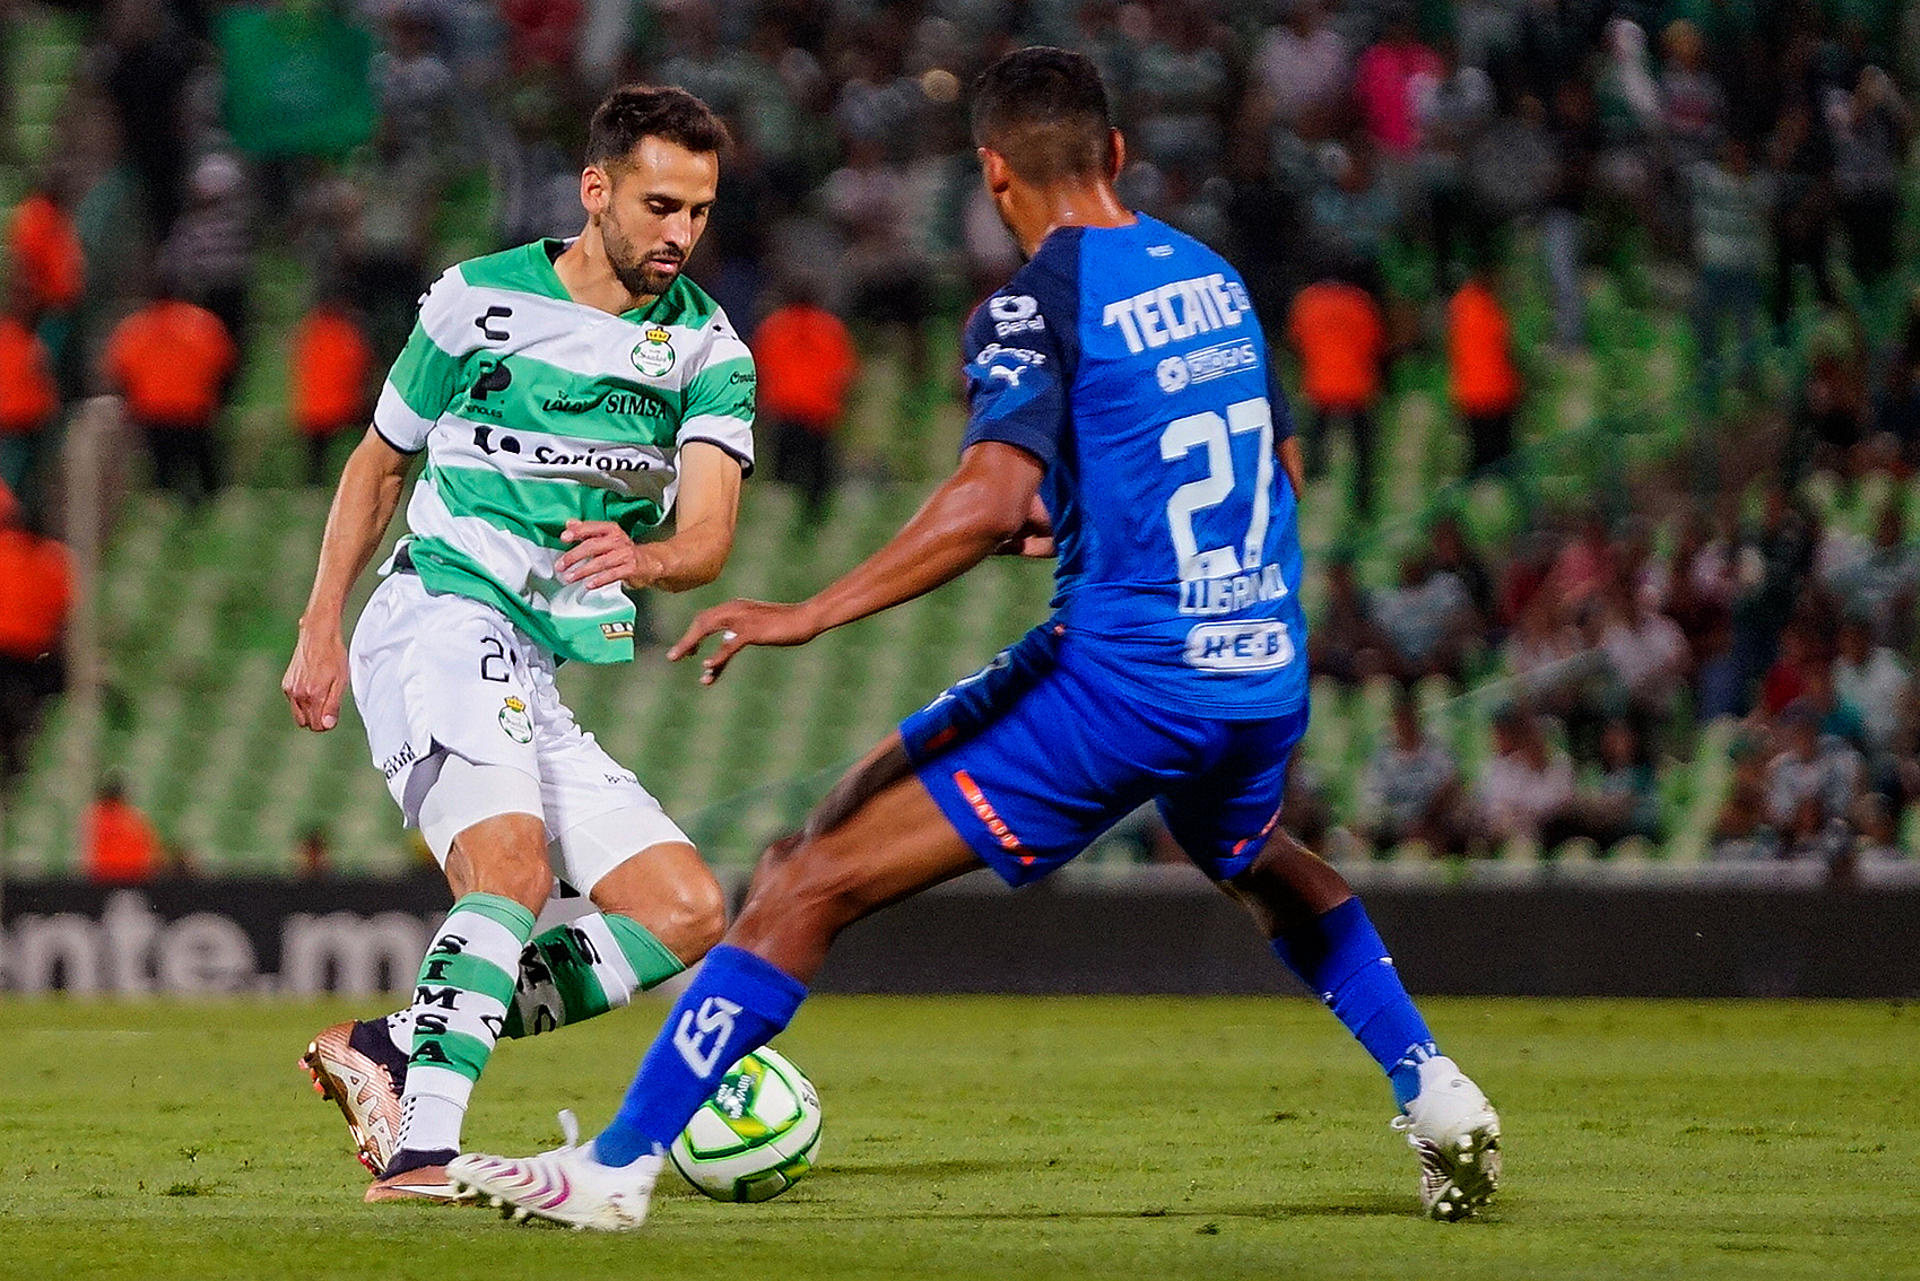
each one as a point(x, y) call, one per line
point(438, 675)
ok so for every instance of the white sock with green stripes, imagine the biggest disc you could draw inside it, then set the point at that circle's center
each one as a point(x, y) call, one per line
point(573, 972)
point(459, 1010)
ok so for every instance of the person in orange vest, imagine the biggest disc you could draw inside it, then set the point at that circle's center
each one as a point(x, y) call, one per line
point(49, 265)
point(29, 399)
point(1341, 336)
point(1482, 379)
point(806, 362)
point(36, 587)
point(121, 848)
point(45, 249)
point(174, 362)
point(329, 367)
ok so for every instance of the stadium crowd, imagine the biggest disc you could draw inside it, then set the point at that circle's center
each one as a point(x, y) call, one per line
point(1380, 171)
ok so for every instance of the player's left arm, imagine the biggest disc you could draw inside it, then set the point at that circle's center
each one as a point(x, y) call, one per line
point(709, 510)
point(1286, 445)
point(986, 502)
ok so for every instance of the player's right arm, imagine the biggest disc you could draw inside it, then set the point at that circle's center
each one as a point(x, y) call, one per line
point(363, 507)
point(418, 388)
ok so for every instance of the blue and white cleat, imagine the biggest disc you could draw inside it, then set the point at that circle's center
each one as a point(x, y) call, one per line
point(565, 1185)
point(1456, 1134)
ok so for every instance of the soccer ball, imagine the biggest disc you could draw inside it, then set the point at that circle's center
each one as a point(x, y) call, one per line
point(757, 1135)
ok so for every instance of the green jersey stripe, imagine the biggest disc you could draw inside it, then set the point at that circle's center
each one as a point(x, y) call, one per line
point(537, 510)
point(424, 376)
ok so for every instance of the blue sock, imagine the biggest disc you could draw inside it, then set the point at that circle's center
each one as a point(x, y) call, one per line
point(1340, 956)
point(736, 1004)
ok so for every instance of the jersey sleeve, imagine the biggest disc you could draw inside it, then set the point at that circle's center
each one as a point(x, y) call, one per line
point(1016, 393)
point(425, 377)
point(720, 396)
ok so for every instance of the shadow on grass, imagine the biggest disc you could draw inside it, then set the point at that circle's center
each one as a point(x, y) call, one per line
point(1381, 1207)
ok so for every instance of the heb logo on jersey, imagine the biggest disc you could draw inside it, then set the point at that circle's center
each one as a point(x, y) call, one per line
point(1178, 311)
point(1015, 314)
point(1239, 647)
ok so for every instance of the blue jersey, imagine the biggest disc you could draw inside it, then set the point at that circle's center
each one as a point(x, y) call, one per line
point(1128, 360)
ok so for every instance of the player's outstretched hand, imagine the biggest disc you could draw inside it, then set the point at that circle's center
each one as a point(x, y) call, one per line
point(602, 554)
point(742, 623)
point(315, 678)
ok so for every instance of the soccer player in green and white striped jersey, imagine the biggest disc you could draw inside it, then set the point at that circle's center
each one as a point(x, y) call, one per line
point(567, 395)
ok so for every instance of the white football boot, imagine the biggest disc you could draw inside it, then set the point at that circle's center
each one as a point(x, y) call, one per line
point(565, 1185)
point(1456, 1134)
point(365, 1088)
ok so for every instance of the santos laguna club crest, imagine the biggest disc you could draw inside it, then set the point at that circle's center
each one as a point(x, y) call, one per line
point(654, 356)
point(515, 721)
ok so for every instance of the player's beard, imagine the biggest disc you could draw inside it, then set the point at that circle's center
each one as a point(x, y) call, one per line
point(637, 273)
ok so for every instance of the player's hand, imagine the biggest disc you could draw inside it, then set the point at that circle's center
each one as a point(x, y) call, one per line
point(1035, 539)
point(602, 554)
point(742, 623)
point(315, 678)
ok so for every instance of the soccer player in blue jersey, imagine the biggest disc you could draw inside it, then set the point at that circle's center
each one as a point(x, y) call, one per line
point(1123, 418)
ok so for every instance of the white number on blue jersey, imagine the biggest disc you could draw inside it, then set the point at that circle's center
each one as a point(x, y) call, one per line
point(1181, 437)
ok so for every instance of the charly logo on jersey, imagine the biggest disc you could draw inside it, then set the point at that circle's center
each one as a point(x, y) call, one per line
point(653, 355)
point(1015, 314)
point(515, 721)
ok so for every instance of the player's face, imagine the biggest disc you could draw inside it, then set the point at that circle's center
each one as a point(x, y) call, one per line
point(652, 211)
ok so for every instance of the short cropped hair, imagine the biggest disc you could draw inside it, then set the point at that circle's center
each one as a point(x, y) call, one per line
point(633, 112)
point(1045, 110)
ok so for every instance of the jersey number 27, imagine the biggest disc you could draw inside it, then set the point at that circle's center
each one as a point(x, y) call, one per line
point(1209, 430)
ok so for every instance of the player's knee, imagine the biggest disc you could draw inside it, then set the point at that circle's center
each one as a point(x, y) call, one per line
point(695, 917)
point(527, 882)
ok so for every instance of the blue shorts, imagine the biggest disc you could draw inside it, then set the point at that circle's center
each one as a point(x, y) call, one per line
point(1034, 756)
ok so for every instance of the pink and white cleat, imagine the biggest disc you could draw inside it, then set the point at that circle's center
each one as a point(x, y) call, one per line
point(565, 1185)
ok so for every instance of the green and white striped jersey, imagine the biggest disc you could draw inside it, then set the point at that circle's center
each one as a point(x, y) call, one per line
point(535, 410)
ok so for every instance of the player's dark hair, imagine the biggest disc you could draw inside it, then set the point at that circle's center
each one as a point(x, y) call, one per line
point(1045, 110)
point(633, 112)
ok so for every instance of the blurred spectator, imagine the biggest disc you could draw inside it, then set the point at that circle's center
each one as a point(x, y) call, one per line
point(46, 262)
point(329, 380)
point(1883, 585)
point(1781, 551)
point(1301, 68)
point(1692, 105)
point(1341, 336)
point(210, 253)
point(1830, 417)
point(1878, 681)
point(1648, 655)
point(1896, 412)
point(1813, 784)
point(1181, 90)
point(1428, 620)
point(885, 270)
point(149, 59)
point(1411, 788)
point(416, 86)
point(1741, 829)
point(806, 362)
point(313, 857)
point(1389, 79)
point(173, 362)
point(1453, 109)
point(1731, 205)
point(29, 400)
point(1352, 215)
point(121, 848)
point(1527, 784)
point(1803, 210)
point(37, 586)
point(1447, 542)
point(1345, 644)
point(1871, 128)
point(1626, 800)
point(1482, 380)
point(1575, 131)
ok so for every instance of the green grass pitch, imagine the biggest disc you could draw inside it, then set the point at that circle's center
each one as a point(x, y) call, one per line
point(1013, 1138)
